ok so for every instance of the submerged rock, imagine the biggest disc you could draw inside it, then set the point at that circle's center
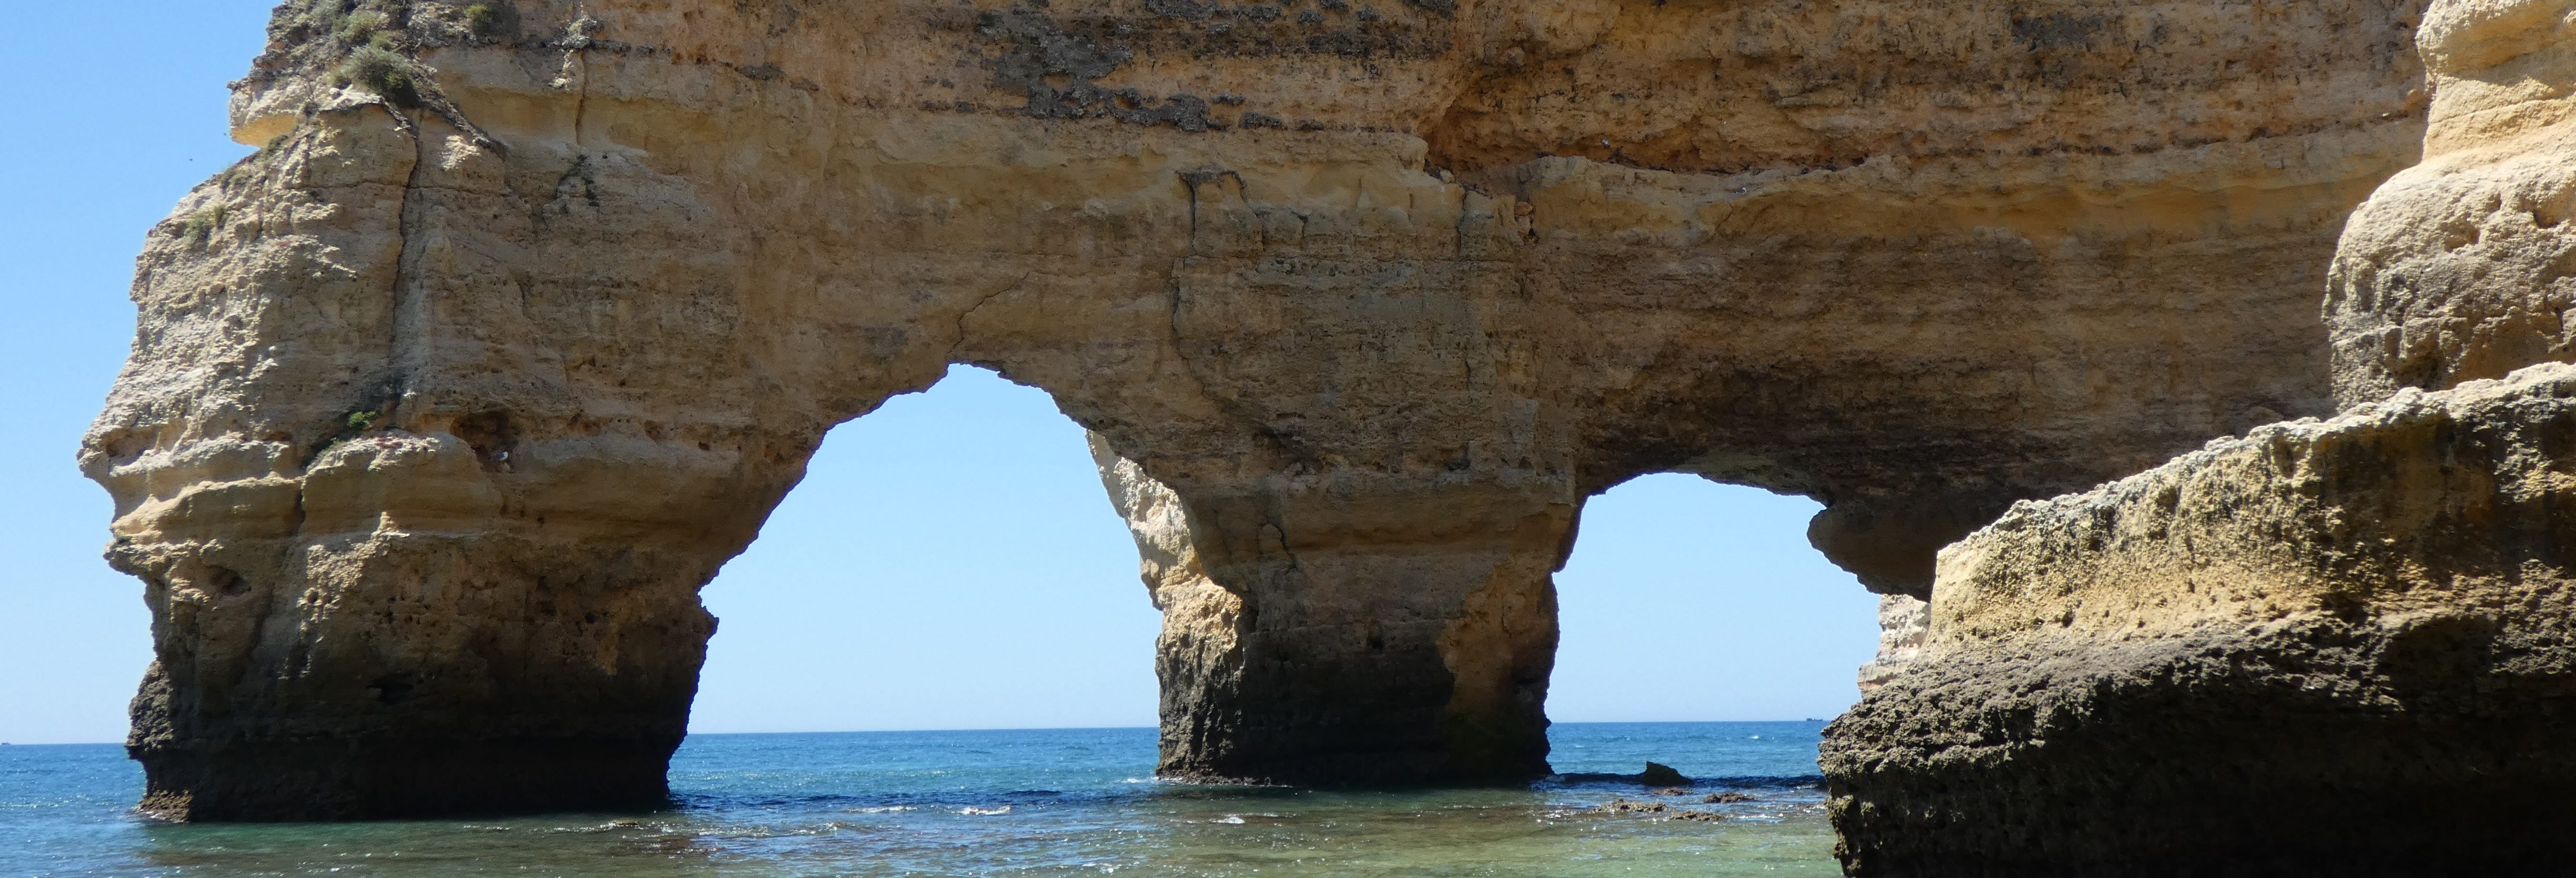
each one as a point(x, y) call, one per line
point(1660, 775)
point(1630, 807)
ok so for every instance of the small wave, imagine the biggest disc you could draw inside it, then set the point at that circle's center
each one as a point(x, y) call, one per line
point(973, 811)
point(1207, 784)
point(1231, 819)
point(882, 809)
point(619, 824)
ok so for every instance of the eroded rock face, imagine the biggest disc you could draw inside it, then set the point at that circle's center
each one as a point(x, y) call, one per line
point(443, 407)
point(2339, 647)
point(2460, 268)
point(1904, 621)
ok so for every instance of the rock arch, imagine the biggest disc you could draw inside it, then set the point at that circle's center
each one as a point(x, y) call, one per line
point(445, 402)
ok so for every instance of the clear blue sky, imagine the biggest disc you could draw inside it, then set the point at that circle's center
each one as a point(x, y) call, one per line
point(951, 562)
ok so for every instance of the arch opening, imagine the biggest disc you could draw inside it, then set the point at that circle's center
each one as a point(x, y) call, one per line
point(1690, 600)
point(947, 562)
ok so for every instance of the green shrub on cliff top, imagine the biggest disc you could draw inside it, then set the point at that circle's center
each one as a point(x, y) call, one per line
point(311, 17)
point(370, 45)
point(360, 28)
point(383, 71)
point(361, 41)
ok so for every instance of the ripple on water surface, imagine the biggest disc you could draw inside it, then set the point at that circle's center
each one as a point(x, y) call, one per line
point(1036, 803)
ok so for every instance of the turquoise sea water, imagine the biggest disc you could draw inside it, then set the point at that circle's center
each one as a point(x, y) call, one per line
point(1016, 803)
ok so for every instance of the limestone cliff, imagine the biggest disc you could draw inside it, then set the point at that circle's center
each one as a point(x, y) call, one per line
point(2344, 647)
point(2340, 647)
point(525, 314)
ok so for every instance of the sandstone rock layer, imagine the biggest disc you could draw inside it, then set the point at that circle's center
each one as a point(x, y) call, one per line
point(445, 403)
point(2339, 647)
point(2459, 268)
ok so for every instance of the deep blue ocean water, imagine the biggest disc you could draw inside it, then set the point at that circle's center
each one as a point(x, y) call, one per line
point(1015, 803)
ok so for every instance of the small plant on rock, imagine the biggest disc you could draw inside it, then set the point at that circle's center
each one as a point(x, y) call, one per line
point(317, 16)
point(490, 20)
point(360, 28)
point(362, 421)
point(371, 48)
point(382, 71)
point(362, 41)
point(201, 225)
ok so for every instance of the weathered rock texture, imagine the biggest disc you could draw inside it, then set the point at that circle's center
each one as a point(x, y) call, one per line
point(445, 403)
point(2328, 648)
point(1904, 621)
point(2463, 267)
point(2344, 647)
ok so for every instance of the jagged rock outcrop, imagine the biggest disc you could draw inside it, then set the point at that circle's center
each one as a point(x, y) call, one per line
point(2340, 647)
point(2344, 647)
point(525, 314)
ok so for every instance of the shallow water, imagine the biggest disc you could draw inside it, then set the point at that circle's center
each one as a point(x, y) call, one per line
point(1017, 803)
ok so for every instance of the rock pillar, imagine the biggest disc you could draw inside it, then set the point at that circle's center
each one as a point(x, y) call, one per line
point(1308, 641)
point(386, 673)
point(422, 532)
